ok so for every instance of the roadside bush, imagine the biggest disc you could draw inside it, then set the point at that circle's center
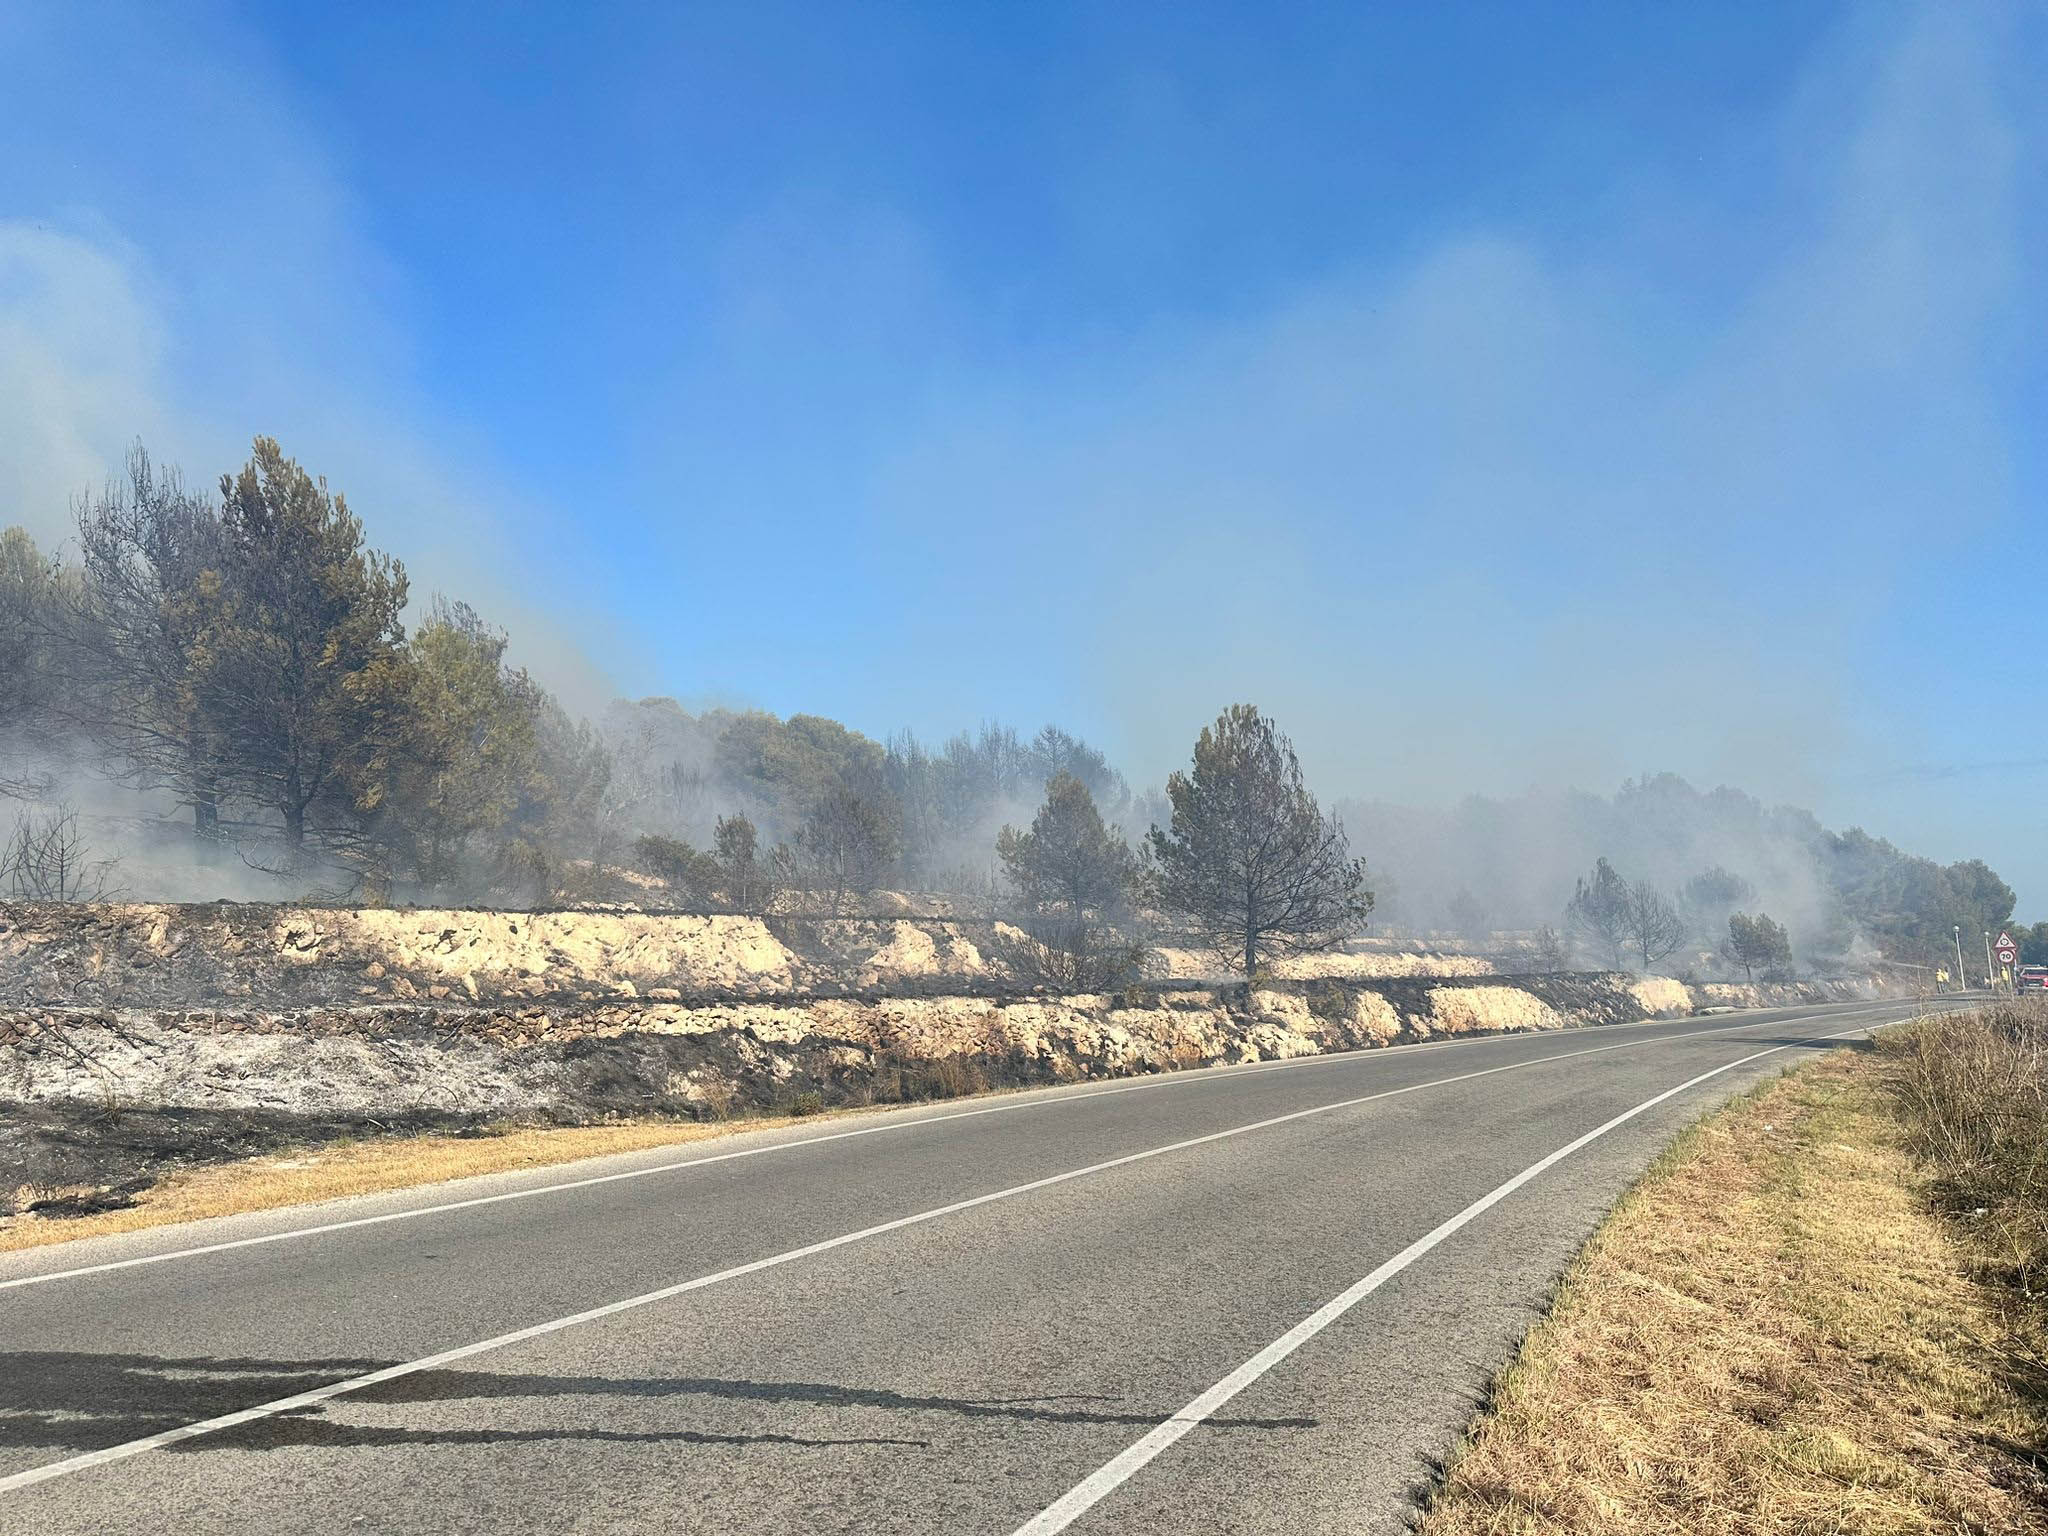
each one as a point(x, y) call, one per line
point(690, 876)
point(916, 1079)
point(1975, 1090)
point(1330, 1003)
point(719, 1096)
point(1063, 956)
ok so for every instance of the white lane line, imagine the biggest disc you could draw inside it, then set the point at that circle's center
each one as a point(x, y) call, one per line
point(682, 1165)
point(1112, 1474)
point(319, 1395)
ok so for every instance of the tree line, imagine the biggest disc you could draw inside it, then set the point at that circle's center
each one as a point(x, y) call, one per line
point(243, 655)
point(1484, 866)
point(1634, 924)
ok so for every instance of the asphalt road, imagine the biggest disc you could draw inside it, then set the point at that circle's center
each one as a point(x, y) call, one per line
point(1251, 1299)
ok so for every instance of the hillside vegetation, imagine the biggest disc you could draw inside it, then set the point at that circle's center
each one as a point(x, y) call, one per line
point(231, 692)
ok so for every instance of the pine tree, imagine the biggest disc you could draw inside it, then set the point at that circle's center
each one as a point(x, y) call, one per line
point(1250, 861)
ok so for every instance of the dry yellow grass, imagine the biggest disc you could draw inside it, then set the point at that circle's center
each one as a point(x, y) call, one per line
point(337, 1170)
point(1772, 1334)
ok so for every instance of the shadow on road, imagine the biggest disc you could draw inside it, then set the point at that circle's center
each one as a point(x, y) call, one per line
point(74, 1402)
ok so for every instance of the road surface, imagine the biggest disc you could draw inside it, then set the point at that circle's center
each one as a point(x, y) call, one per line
point(1261, 1298)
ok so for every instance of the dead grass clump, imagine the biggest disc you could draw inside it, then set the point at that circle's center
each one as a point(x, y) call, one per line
point(1330, 1004)
point(1974, 1089)
point(916, 1079)
point(719, 1095)
point(1772, 1334)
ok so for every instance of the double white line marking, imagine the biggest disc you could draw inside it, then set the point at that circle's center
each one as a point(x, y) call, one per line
point(1105, 1478)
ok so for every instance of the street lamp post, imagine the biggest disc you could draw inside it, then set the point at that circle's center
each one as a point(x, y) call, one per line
point(1990, 970)
point(1960, 974)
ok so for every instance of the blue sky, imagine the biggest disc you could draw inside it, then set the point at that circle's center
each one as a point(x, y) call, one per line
point(1502, 395)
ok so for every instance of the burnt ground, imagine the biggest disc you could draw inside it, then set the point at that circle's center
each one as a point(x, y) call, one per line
point(98, 1151)
point(75, 1159)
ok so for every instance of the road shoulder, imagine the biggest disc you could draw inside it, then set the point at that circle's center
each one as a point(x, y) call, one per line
point(1773, 1332)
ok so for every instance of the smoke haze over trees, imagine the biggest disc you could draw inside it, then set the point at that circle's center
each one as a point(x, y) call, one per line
point(237, 694)
point(241, 664)
point(1841, 895)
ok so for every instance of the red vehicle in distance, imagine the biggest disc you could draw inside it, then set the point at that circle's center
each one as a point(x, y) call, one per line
point(2031, 978)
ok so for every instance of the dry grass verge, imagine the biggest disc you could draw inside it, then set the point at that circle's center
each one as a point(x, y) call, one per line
point(337, 1170)
point(1775, 1332)
point(1974, 1088)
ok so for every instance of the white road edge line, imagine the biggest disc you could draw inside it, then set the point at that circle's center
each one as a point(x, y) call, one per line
point(1114, 1473)
point(318, 1395)
point(685, 1164)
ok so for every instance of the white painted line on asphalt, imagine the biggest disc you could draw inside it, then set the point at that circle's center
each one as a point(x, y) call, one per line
point(318, 1395)
point(685, 1164)
point(1114, 1473)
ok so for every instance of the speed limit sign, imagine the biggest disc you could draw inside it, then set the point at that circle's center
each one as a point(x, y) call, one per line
point(2006, 950)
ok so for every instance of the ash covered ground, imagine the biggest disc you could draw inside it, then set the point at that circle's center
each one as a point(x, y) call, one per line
point(137, 1039)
